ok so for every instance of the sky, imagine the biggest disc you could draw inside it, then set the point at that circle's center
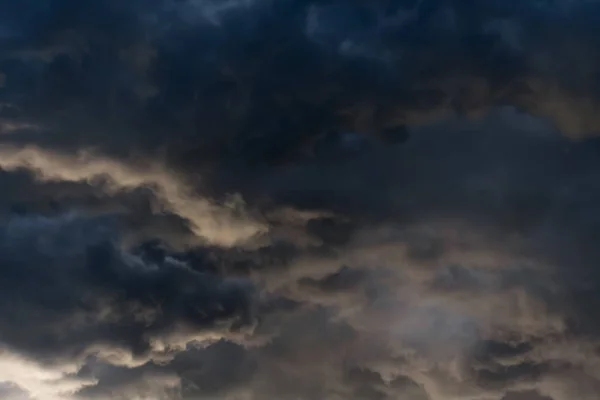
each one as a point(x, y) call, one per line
point(299, 200)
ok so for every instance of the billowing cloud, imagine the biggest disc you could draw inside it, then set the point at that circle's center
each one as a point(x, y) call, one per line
point(333, 200)
point(217, 224)
point(72, 294)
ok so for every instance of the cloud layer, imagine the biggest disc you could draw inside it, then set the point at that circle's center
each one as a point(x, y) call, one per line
point(257, 199)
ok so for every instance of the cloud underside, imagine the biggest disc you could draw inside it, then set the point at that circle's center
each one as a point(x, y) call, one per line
point(248, 200)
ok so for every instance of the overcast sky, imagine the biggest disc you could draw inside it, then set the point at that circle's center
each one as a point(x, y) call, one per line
point(299, 200)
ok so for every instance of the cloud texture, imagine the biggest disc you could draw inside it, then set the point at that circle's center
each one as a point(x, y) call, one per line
point(261, 199)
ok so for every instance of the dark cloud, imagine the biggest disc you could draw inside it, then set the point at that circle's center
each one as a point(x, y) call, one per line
point(291, 199)
point(76, 276)
point(258, 80)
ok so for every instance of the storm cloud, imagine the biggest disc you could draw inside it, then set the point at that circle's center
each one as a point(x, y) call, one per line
point(256, 199)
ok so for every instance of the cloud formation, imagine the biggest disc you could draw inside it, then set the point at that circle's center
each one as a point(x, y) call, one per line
point(291, 199)
point(217, 224)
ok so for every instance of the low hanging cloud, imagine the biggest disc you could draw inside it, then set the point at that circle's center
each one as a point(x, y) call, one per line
point(217, 224)
point(299, 200)
point(81, 256)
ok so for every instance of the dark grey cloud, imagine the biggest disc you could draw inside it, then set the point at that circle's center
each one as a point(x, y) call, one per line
point(292, 199)
point(231, 79)
point(74, 275)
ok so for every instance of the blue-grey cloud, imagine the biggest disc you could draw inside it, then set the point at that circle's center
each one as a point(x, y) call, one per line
point(296, 199)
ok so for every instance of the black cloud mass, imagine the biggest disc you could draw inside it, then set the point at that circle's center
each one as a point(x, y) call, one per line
point(299, 200)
